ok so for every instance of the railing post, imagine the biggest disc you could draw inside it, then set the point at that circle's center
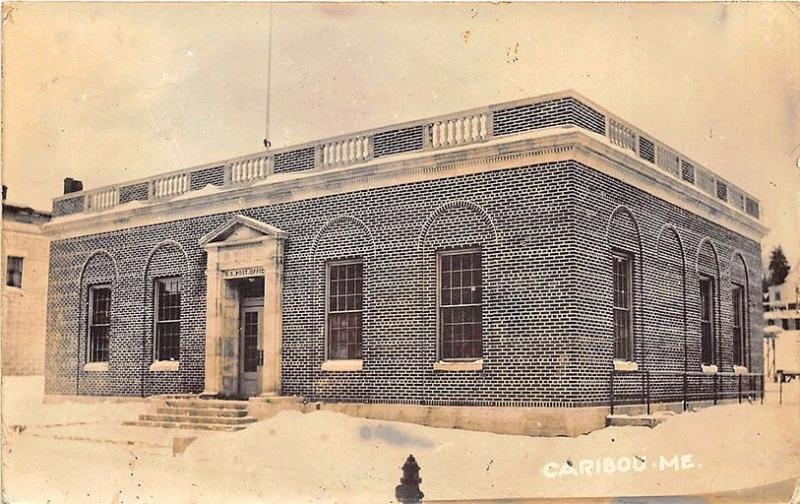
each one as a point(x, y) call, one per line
point(427, 143)
point(644, 389)
point(317, 156)
point(715, 389)
point(611, 387)
point(740, 389)
point(685, 391)
point(647, 381)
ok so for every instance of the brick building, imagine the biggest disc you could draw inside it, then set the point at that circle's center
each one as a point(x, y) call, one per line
point(537, 258)
point(25, 263)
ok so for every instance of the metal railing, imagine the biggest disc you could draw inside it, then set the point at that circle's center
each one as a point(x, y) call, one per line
point(646, 387)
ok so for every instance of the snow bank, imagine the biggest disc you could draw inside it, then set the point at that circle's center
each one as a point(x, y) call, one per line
point(326, 457)
point(330, 457)
point(22, 402)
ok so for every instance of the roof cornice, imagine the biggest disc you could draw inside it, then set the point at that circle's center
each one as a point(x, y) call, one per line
point(513, 151)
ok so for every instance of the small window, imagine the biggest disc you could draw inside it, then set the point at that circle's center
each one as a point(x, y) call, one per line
point(785, 324)
point(623, 306)
point(706, 320)
point(14, 271)
point(168, 319)
point(99, 322)
point(345, 309)
point(777, 295)
point(460, 305)
point(737, 296)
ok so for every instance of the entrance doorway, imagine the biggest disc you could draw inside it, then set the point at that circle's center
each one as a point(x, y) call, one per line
point(250, 294)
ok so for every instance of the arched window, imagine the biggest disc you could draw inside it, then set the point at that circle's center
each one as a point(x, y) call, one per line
point(708, 284)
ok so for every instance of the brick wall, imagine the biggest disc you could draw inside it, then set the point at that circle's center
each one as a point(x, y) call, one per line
point(657, 296)
point(68, 206)
point(545, 232)
point(201, 178)
point(134, 192)
point(296, 160)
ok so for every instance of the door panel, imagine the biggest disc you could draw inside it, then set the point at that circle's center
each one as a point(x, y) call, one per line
point(251, 323)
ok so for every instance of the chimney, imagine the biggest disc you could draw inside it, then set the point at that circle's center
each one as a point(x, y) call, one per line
point(71, 185)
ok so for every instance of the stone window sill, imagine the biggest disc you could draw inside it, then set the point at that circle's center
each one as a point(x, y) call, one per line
point(343, 365)
point(739, 370)
point(475, 365)
point(710, 368)
point(95, 367)
point(624, 365)
point(164, 366)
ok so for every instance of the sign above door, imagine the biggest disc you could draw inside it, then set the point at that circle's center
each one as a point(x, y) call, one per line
point(242, 273)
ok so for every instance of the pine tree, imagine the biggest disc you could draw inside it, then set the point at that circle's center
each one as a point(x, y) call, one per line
point(778, 266)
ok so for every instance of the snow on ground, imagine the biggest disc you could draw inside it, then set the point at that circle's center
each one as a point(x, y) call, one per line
point(328, 457)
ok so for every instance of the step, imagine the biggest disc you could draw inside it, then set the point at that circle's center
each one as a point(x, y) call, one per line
point(211, 420)
point(207, 403)
point(184, 425)
point(208, 412)
point(634, 420)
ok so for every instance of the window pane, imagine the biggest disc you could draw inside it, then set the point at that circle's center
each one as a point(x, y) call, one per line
point(101, 305)
point(737, 298)
point(460, 297)
point(706, 320)
point(168, 341)
point(168, 316)
point(99, 323)
point(622, 272)
point(461, 332)
point(345, 306)
point(98, 343)
point(169, 299)
point(14, 271)
point(250, 342)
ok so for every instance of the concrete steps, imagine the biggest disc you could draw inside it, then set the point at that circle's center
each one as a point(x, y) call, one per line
point(183, 425)
point(210, 412)
point(191, 412)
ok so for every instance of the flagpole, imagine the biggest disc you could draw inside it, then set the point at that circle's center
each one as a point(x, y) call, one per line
point(267, 142)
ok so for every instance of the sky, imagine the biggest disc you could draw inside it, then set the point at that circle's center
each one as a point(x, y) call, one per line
point(106, 92)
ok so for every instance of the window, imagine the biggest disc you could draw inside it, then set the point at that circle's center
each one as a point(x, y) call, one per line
point(345, 309)
point(737, 296)
point(459, 298)
point(706, 320)
point(623, 306)
point(777, 295)
point(99, 322)
point(785, 324)
point(14, 271)
point(168, 319)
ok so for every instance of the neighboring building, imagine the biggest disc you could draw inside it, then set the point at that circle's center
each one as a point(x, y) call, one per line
point(782, 310)
point(25, 263)
point(512, 256)
point(782, 302)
